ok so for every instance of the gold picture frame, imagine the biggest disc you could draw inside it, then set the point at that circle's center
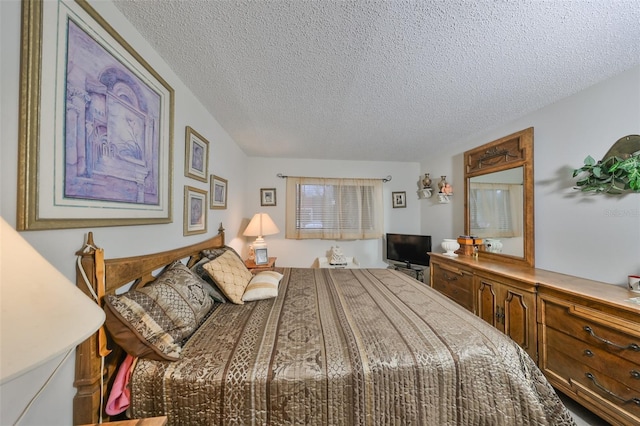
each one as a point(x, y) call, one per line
point(218, 193)
point(196, 155)
point(88, 155)
point(195, 211)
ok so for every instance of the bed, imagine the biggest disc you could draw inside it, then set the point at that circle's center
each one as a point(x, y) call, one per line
point(334, 347)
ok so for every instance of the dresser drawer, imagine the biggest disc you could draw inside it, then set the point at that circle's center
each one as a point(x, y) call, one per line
point(592, 357)
point(592, 328)
point(597, 385)
point(454, 283)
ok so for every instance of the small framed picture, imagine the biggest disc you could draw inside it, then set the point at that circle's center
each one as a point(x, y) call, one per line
point(399, 199)
point(196, 155)
point(218, 192)
point(195, 211)
point(261, 256)
point(267, 196)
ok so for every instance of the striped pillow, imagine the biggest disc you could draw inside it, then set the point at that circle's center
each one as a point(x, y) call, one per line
point(262, 286)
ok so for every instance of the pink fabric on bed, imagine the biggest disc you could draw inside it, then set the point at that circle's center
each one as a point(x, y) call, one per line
point(120, 395)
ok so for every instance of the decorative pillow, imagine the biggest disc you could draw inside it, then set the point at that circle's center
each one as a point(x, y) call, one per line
point(263, 285)
point(230, 274)
point(209, 285)
point(213, 253)
point(150, 322)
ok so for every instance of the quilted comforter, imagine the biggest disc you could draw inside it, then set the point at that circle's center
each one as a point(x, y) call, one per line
point(347, 347)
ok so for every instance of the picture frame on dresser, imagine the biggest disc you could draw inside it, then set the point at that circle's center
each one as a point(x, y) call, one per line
point(107, 160)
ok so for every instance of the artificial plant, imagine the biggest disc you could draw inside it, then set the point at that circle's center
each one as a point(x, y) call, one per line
point(617, 173)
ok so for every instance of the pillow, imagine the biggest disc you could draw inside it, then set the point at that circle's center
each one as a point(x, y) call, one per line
point(210, 286)
point(213, 253)
point(263, 285)
point(150, 322)
point(230, 275)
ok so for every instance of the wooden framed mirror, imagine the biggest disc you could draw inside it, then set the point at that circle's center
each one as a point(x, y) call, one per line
point(498, 189)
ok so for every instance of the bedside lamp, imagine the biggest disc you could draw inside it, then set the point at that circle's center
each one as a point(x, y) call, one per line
point(42, 313)
point(261, 224)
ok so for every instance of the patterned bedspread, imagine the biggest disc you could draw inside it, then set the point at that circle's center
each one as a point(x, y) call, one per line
point(347, 347)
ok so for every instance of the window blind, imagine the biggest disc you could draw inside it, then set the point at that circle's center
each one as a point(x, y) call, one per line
point(332, 208)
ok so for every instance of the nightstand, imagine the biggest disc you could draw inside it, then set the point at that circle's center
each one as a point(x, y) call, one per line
point(151, 421)
point(352, 263)
point(251, 265)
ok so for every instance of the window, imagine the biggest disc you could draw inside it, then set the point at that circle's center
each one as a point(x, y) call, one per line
point(334, 209)
point(495, 210)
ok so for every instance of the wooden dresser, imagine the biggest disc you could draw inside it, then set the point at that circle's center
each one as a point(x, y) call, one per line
point(584, 334)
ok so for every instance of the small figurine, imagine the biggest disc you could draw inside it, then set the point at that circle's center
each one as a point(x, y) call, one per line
point(447, 189)
point(337, 257)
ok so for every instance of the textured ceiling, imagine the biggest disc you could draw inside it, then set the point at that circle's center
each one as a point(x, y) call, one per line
point(382, 80)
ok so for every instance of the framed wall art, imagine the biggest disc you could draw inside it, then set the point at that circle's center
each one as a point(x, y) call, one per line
point(399, 199)
point(195, 211)
point(218, 192)
point(96, 124)
point(196, 155)
point(267, 196)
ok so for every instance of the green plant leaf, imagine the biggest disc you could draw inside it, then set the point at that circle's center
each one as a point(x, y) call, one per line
point(613, 175)
point(597, 172)
point(589, 161)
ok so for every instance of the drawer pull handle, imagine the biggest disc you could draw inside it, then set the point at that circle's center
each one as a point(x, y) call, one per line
point(449, 278)
point(607, 391)
point(635, 374)
point(588, 353)
point(632, 346)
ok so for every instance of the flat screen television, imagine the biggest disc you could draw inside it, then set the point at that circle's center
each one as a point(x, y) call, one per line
point(409, 249)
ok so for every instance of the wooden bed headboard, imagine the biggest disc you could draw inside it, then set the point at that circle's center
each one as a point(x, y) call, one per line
point(117, 273)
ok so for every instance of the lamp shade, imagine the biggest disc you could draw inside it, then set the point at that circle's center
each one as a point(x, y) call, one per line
point(42, 313)
point(261, 224)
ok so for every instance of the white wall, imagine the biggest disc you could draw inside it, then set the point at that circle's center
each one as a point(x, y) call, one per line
point(590, 236)
point(59, 246)
point(571, 230)
point(262, 173)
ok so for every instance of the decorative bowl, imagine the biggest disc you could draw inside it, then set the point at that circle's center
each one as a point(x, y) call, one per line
point(450, 246)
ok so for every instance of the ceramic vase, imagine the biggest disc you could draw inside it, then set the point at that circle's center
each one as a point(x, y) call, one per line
point(426, 181)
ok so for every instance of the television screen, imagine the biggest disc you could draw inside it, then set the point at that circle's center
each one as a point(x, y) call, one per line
point(409, 249)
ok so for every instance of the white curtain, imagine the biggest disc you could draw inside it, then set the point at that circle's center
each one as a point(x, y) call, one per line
point(334, 209)
point(496, 209)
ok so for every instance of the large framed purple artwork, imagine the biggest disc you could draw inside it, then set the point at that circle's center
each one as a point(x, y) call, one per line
point(96, 130)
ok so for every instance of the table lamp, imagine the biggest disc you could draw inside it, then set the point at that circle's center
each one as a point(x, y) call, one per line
point(42, 313)
point(261, 224)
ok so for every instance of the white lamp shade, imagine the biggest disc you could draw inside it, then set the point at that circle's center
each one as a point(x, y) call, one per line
point(261, 224)
point(42, 313)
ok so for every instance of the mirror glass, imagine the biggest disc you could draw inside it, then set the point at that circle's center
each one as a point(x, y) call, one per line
point(499, 198)
point(495, 211)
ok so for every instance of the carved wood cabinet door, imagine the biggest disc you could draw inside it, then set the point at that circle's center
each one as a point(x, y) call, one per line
point(511, 309)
